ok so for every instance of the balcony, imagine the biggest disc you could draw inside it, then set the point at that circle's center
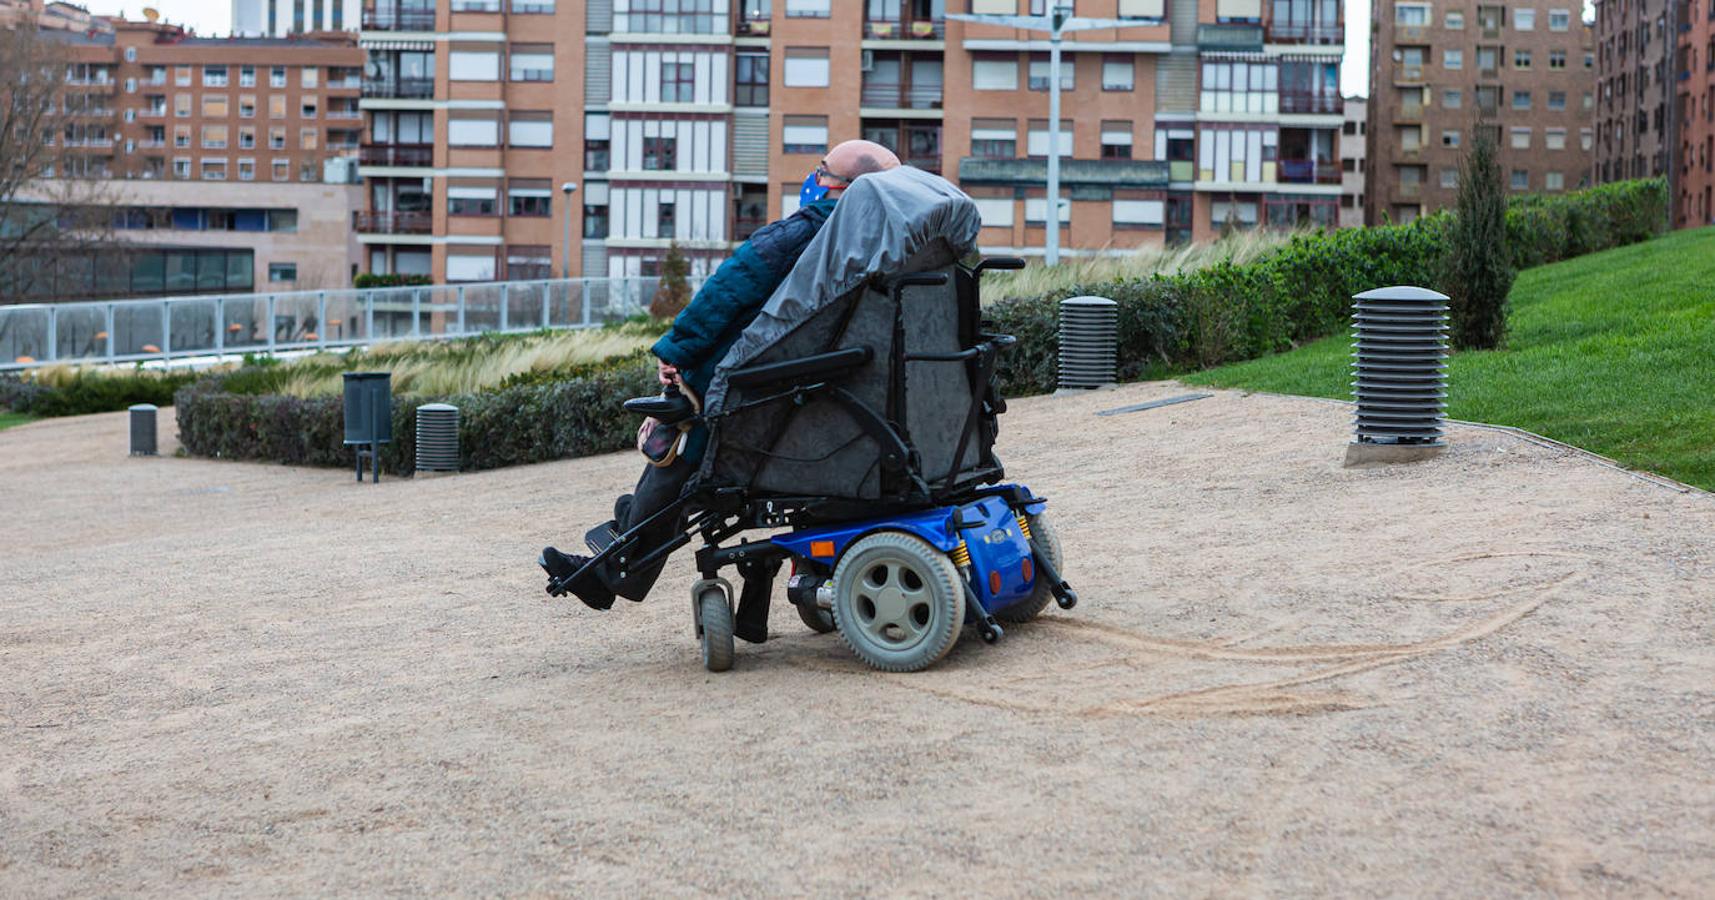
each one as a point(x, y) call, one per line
point(415, 88)
point(406, 155)
point(931, 164)
point(476, 6)
point(399, 19)
point(1313, 103)
point(344, 114)
point(1410, 34)
point(1306, 33)
point(1307, 171)
point(670, 23)
point(392, 222)
point(905, 29)
point(896, 96)
point(1408, 73)
point(753, 27)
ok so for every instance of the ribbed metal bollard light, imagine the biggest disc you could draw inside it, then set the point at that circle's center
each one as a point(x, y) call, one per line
point(1089, 334)
point(1399, 360)
point(143, 429)
point(437, 437)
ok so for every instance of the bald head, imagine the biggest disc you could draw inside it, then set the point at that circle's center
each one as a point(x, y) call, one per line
point(850, 159)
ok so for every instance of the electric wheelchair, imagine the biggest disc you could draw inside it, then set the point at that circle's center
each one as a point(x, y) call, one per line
point(856, 418)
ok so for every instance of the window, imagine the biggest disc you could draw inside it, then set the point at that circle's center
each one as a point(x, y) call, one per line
point(470, 200)
point(1410, 138)
point(276, 138)
point(1521, 99)
point(1556, 59)
point(1411, 14)
point(181, 135)
point(1139, 213)
point(994, 73)
point(473, 65)
point(1449, 178)
point(182, 106)
point(751, 79)
point(1450, 137)
point(155, 75)
point(1455, 20)
point(1524, 19)
point(1036, 211)
point(666, 219)
point(1559, 19)
point(1521, 138)
point(1554, 181)
point(281, 170)
point(530, 129)
point(131, 54)
point(1036, 138)
point(994, 139)
point(473, 132)
point(277, 77)
point(214, 170)
point(1118, 73)
point(995, 212)
point(660, 154)
point(529, 198)
point(246, 137)
point(1586, 137)
point(470, 266)
point(309, 76)
point(277, 106)
point(1453, 59)
point(805, 134)
point(155, 105)
point(529, 263)
point(181, 167)
point(1138, 9)
point(1520, 180)
point(214, 137)
point(678, 82)
point(1116, 140)
point(1557, 100)
point(214, 106)
point(595, 212)
point(1039, 73)
point(1225, 10)
point(247, 106)
point(1489, 58)
point(1244, 87)
point(597, 143)
point(1240, 214)
point(808, 8)
point(282, 271)
point(1590, 58)
point(1554, 138)
point(308, 138)
point(1521, 59)
point(182, 76)
point(246, 76)
point(1452, 99)
point(805, 67)
point(214, 76)
point(531, 62)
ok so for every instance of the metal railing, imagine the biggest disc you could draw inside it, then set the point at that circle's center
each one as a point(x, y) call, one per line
point(896, 29)
point(181, 328)
point(392, 222)
point(402, 88)
point(400, 19)
point(1311, 102)
point(892, 95)
point(1307, 171)
point(396, 155)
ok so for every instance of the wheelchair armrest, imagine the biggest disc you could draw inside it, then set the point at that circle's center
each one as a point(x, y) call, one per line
point(808, 368)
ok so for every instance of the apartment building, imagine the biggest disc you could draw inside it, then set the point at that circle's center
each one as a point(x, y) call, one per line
point(280, 18)
point(1352, 162)
point(1694, 171)
point(1525, 72)
point(698, 119)
point(1634, 126)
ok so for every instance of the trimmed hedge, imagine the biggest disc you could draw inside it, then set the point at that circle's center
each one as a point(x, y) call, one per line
point(86, 391)
point(524, 423)
point(1226, 313)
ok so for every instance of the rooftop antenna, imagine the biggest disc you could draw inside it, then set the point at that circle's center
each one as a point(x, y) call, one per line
point(1058, 21)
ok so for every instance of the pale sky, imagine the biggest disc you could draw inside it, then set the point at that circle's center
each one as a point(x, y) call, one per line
point(212, 18)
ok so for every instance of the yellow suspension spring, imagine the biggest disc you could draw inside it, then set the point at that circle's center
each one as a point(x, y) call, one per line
point(961, 555)
point(1024, 525)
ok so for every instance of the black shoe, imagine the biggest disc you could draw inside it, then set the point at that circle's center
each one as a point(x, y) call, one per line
point(669, 407)
point(589, 588)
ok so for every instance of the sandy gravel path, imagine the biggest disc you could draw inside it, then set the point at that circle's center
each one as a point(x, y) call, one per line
point(1489, 673)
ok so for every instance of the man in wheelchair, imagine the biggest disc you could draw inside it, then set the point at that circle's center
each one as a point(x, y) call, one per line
point(853, 414)
point(701, 335)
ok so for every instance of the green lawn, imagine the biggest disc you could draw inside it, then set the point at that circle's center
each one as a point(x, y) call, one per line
point(1613, 352)
point(8, 419)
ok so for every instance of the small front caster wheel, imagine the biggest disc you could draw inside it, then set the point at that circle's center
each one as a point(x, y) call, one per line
point(714, 617)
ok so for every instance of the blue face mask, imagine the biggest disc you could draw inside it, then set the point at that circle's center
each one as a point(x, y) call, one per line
point(811, 191)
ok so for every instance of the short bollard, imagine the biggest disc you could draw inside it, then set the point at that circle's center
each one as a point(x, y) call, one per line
point(143, 429)
point(437, 438)
point(1399, 363)
point(1089, 334)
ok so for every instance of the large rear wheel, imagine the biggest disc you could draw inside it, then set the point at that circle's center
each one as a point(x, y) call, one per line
point(1030, 607)
point(897, 601)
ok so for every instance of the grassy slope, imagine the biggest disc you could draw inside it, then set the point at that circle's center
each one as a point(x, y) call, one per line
point(1613, 352)
point(8, 419)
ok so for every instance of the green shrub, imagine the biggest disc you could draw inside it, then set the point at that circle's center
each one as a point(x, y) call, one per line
point(61, 391)
point(1477, 272)
point(370, 280)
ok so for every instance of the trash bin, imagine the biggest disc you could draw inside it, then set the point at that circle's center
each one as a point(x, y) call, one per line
point(368, 416)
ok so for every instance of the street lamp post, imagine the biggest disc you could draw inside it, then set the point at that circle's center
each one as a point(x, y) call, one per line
point(566, 246)
point(1058, 21)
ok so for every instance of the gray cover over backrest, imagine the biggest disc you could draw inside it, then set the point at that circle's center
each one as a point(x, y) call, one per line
point(887, 224)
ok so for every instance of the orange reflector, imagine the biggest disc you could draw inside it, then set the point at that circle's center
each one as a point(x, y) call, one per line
point(1029, 571)
point(994, 582)
point(821, 548)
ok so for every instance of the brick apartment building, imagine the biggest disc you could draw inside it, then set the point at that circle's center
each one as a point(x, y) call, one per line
point(697, 119)
point(1353, 164)
point(1694, 172)
point(1438, 70)
point(1634, 126)
point(214, 151)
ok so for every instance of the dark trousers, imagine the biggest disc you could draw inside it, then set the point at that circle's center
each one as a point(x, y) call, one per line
point(658, 487)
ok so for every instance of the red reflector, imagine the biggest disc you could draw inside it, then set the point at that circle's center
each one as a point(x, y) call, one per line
point(994, 582)
point(1029, 571)
point(821, 548)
